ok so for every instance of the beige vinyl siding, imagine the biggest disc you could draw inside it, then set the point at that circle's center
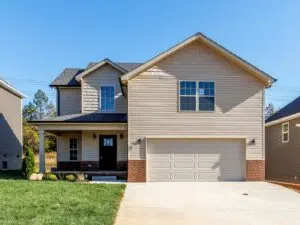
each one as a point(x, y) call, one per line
point(70, 101)
point(63, 146)
point(283, 159)
point(10, 129)
point(196, 160)
point(90, 145)
point(153, 101)
point(91, 84)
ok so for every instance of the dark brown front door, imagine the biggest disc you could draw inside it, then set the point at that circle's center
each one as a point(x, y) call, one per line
point(108, 152)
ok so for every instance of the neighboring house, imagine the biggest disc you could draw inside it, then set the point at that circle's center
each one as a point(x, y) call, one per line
point(193, 113)
point(11, 127)
point(283, 143)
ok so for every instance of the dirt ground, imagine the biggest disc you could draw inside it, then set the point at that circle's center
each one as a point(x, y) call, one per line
point(50, 161)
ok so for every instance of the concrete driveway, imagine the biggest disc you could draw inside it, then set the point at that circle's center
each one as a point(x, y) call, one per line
point(209, 204)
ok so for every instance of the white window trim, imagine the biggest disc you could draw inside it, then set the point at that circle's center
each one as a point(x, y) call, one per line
point(73, 149)
point(197, 96)
point(114, 98)
point(285, 132)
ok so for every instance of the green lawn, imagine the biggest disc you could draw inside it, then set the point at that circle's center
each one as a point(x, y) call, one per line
point(45, 202)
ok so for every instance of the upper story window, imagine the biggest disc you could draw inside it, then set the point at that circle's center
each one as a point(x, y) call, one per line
point(197, 96)
point(107, 99)
point(73, 148)
point(285, 132)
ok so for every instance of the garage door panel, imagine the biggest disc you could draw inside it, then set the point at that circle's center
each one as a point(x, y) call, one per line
point(184, 165)
point(159, 165)
point(180, 176)
point(195, 160)
point(161, 176)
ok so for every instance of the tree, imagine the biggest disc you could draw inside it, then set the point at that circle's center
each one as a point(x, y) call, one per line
point(42, 105)
point(269, 110)
point(28, 166)
point(29, 112)
point(30, 137)
point(51, 110)
point(39, 108)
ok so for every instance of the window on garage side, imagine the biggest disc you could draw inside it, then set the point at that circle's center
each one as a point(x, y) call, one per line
point(187, 95)
point(285, 132)
point(73, 148)
point(206, 96)
point(197, 96)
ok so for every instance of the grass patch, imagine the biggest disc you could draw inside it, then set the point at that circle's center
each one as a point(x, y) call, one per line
point(25, 202)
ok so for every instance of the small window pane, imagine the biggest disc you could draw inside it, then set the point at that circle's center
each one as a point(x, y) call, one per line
point(73, 154)
point(285, 128)
point(187, 103)
point(187, 88)
point(108, 142)
point(206, 103)
point(285, 137)
point(73, 143)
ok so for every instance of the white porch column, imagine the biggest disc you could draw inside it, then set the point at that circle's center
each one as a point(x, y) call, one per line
point(42, 151)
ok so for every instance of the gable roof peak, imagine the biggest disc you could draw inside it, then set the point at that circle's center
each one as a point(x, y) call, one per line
point(262, 76)
point(97, 66)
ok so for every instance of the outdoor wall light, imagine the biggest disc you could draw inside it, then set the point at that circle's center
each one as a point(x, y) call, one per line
point(139, 140)
point(252, 142)
point(121, 136)
point(94, 136)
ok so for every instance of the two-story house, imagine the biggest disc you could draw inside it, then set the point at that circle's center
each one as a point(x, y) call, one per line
point(11, 127)
point(192, 113)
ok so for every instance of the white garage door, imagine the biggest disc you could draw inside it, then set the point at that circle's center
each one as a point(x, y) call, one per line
point(195, 160)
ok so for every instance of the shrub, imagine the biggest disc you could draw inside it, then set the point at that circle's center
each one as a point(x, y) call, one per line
point(50, 176)
point(28, 163)
point(70, 177)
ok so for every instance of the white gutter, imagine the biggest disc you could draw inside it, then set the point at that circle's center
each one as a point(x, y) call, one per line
point(11, 89)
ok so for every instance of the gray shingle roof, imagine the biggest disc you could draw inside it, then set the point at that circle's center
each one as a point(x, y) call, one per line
point(67, 77)
point(86, 118)
point(288, 110)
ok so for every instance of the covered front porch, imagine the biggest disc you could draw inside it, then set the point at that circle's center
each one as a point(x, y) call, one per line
point(98, 148)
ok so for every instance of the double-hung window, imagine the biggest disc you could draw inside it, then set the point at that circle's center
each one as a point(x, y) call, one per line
point(188, 95)
point(107, 99)
point(197, 96)
point(285, 132)
point(73, 148)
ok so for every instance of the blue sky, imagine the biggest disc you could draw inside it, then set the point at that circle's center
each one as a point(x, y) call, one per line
point(40, 38)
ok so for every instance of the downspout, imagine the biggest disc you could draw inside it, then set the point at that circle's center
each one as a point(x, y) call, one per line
point(57, 102)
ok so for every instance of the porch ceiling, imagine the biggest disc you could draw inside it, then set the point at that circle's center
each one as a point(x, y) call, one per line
point(81, 126)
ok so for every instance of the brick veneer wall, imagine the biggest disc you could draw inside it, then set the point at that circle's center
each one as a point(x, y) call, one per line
point(255, 170)
point(136, 170)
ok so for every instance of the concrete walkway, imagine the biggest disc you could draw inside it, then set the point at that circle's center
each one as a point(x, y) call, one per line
point(240, 203)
